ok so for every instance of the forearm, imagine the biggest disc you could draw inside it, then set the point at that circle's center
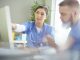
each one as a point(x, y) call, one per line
point(52, 44)
point(18, 27)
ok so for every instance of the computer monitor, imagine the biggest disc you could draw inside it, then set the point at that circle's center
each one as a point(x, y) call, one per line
point(5, 27)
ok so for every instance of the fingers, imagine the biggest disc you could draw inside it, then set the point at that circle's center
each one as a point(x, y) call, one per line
point(13, 26)
point(51, 41)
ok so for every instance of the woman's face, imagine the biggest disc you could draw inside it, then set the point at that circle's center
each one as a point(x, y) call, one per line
point(40, 16)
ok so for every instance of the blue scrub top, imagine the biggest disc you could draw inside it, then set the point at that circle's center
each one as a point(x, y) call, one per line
point(75, 33)
point(35, 38)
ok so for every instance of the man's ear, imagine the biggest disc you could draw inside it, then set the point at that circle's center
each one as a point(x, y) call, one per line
point(74, 13)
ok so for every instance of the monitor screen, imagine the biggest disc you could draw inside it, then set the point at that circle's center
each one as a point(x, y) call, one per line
point(5, 27)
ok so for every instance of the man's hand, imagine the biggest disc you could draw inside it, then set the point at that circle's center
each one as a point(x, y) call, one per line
point(49, 40)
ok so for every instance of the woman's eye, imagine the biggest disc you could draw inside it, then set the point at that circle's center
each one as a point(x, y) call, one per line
point(42, 13)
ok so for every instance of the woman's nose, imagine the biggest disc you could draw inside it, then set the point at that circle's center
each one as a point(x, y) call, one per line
point(39, 15)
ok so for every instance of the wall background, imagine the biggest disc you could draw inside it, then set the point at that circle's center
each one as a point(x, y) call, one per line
point(21, 9)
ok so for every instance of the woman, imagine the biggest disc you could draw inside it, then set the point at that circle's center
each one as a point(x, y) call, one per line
point(38, 30)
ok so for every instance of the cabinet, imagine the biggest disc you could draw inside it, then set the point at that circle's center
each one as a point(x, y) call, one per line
point(19, 39)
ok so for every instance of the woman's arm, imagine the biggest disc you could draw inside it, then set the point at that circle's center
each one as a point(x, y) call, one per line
point(18, 27)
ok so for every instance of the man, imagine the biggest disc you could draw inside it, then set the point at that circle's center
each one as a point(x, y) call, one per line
point(69, 14)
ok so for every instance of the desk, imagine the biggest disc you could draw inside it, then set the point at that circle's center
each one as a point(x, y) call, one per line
point(16, 54)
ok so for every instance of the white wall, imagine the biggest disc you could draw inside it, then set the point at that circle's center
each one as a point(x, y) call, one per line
point(20, 9)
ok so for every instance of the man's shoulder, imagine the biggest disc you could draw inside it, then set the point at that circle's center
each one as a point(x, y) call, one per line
point(75, 30)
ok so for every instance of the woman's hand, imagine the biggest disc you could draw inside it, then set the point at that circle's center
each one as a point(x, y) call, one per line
point(13, 26)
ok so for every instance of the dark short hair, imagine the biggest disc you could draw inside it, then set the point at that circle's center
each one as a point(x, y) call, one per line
point(42, 7)
point(70, 3)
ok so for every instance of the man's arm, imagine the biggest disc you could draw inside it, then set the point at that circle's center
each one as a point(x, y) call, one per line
point(51, 42)
point(68, 44)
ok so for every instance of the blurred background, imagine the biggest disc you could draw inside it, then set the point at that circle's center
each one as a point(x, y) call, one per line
point(19, 11)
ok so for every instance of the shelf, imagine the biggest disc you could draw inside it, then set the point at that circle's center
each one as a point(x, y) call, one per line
point(19, 41)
